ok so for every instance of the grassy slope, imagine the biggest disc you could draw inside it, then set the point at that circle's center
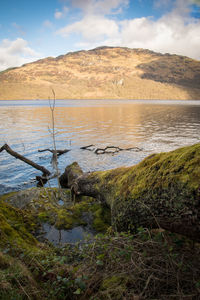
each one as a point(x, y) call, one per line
point(108, 73)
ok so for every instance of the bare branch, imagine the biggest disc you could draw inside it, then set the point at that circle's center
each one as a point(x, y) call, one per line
point(114, 149)
point(109, 149)
point(87, 147)
point(24, 159)
point(59, 152)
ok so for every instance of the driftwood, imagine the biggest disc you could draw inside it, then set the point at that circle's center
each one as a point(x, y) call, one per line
point(109, 149)
point(88, 147)
point(54, 152)
point(114, 149)
point(45, 173)
point(26, 160)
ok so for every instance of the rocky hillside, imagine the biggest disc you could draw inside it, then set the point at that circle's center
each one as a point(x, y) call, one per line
point(105, 73)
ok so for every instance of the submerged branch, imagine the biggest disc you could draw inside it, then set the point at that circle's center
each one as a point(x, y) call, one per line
point(58, 152)
point(109, 149)
point(24, 159)
point(87, 147)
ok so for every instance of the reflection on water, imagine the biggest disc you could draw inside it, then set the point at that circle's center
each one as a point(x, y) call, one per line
point(60, 237)
point(152, 125)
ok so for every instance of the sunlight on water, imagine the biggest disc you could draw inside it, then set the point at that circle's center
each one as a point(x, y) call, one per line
point(153, 126)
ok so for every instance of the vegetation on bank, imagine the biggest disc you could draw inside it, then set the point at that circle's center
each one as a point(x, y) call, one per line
point(163, 190)
point(144, 264)
point(113, 266)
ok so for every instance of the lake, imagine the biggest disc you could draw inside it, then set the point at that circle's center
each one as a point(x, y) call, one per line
point(153, 126)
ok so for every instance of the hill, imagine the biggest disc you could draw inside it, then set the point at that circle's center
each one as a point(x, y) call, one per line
point(105, 73)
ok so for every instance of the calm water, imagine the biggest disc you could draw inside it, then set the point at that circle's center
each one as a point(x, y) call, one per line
point(153, 126)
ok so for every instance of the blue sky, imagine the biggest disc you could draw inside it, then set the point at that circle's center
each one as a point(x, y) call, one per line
point(30, 30)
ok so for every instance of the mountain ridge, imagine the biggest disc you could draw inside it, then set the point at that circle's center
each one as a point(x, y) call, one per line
point(105, 73)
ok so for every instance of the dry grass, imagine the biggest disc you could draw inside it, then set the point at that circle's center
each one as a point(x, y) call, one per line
point(108, 73)
point(147, 266)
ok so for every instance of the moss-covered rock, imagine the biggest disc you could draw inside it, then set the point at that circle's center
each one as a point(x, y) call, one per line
point(49, 205)
point(163, 190)
point(16, 228)
point(30, 269)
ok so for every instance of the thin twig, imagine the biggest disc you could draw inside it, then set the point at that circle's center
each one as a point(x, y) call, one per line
point(55, 156)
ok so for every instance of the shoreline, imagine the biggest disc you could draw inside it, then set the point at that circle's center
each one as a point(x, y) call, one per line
point(99, 99)
point(130, 263)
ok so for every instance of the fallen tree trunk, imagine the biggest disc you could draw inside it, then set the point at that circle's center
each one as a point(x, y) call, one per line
point(162, 191)
point(26, 160)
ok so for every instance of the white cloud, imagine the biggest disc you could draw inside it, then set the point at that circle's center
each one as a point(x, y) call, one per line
point(95, 26)
point(47, 24)
point(58, 14)
point(175, 32)
point(15, 53)
point(100, 6)
point(162, 3)
point(164, 35)
point(92, 28)
point(19, 28)
point(61, 14)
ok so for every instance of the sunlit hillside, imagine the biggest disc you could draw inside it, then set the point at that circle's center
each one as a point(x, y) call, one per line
point(105, 73)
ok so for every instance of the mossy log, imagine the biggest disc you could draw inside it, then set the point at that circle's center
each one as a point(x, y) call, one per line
point(161, 191)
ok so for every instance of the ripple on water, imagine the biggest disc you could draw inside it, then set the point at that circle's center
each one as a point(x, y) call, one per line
point(154, 126)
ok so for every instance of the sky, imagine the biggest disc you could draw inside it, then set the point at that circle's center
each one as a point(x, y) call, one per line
point(31, 30)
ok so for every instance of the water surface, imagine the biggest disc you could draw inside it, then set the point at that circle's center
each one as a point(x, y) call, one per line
point(154, 126)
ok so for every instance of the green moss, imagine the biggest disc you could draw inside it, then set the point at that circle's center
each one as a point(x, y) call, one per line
point(4, 261)
point(16, 228)
point(6, 196)
point(166, 184)
point(114, 287)
point(102, 218)
point(42, 206)
point(64, 220)
point(84, 205)
point(111, 267)
point(114, 282)
point(63, 217)
point(43, 216)
point(15, 278)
